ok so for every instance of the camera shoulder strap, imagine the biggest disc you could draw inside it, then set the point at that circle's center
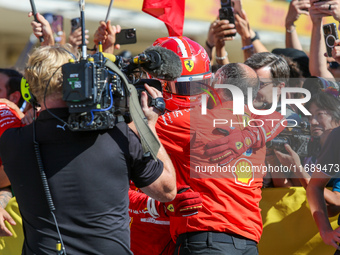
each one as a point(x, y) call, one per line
point(149, 141)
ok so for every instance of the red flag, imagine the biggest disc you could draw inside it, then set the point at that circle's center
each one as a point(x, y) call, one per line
point(171, 12)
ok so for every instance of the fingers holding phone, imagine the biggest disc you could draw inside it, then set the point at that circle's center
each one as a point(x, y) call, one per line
point(242, 25)
point(330, 7)
point(296, 8)
point(42, 28)
point(223, 31)
point(336, 51)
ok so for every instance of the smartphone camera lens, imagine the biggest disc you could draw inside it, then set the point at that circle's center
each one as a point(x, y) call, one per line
point(130, 34)
point(330, 40)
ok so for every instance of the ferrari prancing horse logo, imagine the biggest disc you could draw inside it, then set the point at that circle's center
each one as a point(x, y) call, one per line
point(189, 65)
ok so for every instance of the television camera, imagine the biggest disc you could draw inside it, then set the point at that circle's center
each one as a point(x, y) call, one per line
point(298, 137)
point(97, 90)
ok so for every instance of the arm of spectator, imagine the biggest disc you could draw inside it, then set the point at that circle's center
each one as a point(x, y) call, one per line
point(5, 196)
point(292, 160)
point(164, 188)
point(242, 27)
point(246, 33)
point(317, 60)
point(75, 38)
point(296, 8)
point(279, 178)
point(221, 29)
point(107, 35)
point(42, 28)
point(324, 7)
point(210, 42)
point(258, 45)
point(315, 197)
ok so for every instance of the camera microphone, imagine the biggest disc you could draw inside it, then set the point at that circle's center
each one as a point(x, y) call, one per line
point(160, 63)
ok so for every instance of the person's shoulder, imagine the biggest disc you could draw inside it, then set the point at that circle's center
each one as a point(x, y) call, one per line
point(335, 132)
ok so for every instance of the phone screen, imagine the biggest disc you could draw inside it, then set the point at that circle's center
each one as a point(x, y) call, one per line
point(57, 27)
point(331, 35)
point(57, 23)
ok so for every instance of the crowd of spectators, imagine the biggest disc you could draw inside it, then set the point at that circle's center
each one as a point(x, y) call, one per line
point(221, 214)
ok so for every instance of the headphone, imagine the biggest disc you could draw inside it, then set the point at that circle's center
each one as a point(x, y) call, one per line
point(26, 92)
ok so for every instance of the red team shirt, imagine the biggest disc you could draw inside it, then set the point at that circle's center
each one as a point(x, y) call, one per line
point(8, 119)
point(230, 202)
point(148, 235)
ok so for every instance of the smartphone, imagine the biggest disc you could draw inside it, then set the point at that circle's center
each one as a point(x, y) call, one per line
point(330, 33)
point(75, 24)
point(227, 12)
point(237, 5)
point(57, 23)
point(126, 36)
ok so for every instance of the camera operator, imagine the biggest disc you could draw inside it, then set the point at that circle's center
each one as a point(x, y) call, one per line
point(88, 172)
point(325, 110)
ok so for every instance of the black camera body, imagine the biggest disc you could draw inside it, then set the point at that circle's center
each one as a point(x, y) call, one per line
point(297, 137)
point(95, 95)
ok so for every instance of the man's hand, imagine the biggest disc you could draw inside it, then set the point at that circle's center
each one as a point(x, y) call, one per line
point(296, 8)
point(75, 38)
point(316, 14)
point(221, 29)
point(186, 203)
point(107, 35)
point(42, 28)
point(4, 216)
point(151, 112)
point(331, 237)
point(242, 25)
point(228, 148)
point(328, 7)
point(290, 159)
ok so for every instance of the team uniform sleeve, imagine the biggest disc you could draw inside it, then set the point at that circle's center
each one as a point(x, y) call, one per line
point(8, 119)
point(138, 201)
point(174, 132)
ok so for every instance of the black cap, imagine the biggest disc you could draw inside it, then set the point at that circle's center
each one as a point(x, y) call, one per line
point(298, 56)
